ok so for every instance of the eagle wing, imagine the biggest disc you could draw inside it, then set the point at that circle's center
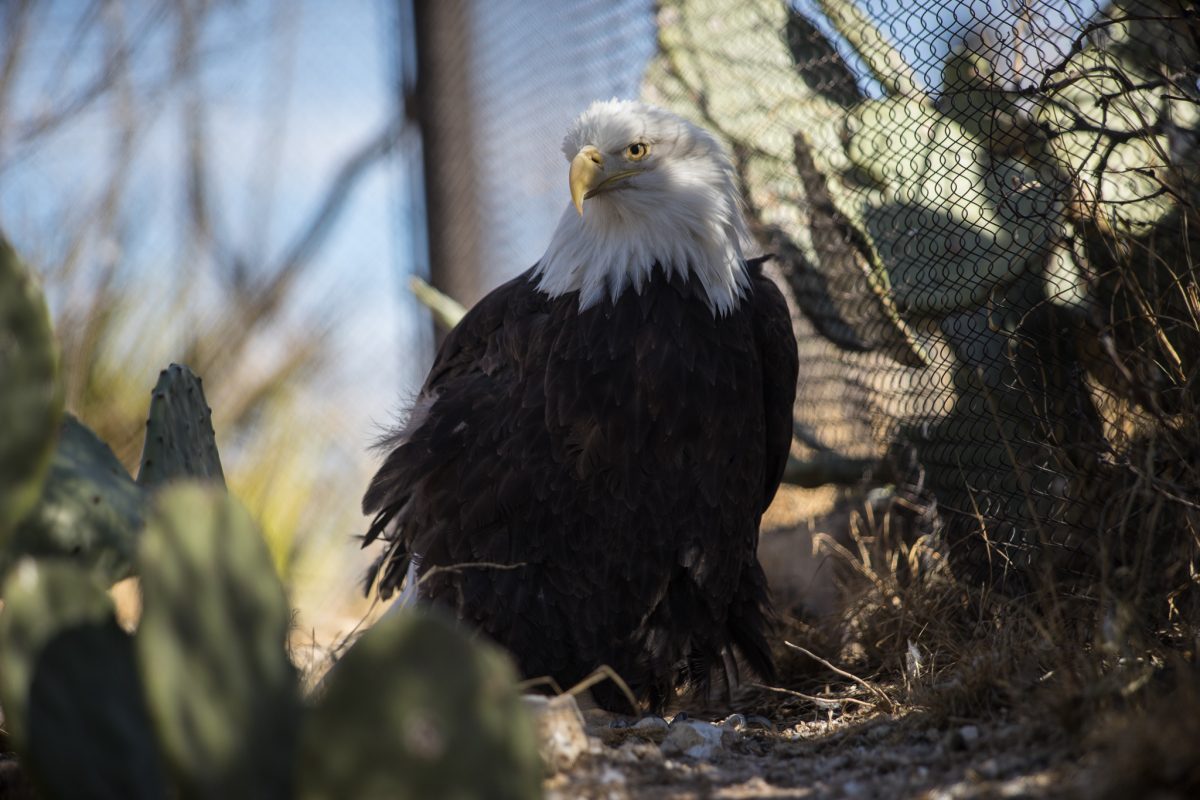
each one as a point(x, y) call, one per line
point(483, 356)
point(480, 358)
point(749, 613)
point(780, 367)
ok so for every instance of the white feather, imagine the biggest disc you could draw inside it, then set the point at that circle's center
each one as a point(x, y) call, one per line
point(682, 212)
point(410, 594)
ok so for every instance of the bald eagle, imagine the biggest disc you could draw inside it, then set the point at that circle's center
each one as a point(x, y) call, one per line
point(598, 438)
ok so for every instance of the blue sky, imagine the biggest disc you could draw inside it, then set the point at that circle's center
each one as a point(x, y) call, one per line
point(293, 90)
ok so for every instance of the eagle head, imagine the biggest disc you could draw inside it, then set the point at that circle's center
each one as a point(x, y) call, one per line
point(648, 190)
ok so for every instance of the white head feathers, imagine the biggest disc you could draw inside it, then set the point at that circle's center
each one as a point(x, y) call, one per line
point(673, 204)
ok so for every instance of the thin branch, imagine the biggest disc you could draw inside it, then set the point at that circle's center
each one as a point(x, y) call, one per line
point(445, 309)
point(309, 239)
point(602, 673)
point(277, 90)
point(16, 34)
point(96, 88)
point(1082, 40)
point(353, 169)
point(544, 680)
point(468, 565)
point(870, 687)
point(266, 299)
point(821, 702)
point(95, 325)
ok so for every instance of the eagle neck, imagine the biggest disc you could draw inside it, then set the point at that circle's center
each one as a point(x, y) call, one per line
point(612, 248)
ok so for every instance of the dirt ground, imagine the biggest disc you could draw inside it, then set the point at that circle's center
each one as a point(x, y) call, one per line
point(1031, 742)
point(851, 756)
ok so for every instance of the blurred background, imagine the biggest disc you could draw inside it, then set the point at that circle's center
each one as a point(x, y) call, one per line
point(247, 186)
point(239, 186)
point(225, 184)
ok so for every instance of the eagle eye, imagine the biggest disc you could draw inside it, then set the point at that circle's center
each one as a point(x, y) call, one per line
point(637, 151)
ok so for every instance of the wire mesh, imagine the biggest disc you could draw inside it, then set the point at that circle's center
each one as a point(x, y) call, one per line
point(984, 215)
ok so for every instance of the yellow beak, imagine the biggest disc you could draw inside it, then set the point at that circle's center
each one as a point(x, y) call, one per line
point(587, 170)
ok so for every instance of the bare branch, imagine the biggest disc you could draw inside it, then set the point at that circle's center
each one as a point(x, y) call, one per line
point(266, 300)
point(16, 31)
point(870, 687)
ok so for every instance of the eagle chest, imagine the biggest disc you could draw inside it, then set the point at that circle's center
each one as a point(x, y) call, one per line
point(654, 405)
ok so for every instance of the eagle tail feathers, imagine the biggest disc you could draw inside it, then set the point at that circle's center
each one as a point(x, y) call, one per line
point(750, 623)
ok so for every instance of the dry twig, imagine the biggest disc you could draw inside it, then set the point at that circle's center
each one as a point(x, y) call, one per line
point(887, 702)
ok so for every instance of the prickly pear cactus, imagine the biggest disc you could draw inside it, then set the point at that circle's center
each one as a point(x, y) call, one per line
point(41, 599)
point(180, 442)
point(211, 646)
point(30, 394)
point(416, 710)
point(1118, 125)
point(949, 222)
point(88, 731)
point(90, 509)
point(70, 687)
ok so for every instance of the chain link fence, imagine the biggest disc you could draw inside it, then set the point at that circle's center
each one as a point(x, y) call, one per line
point(984, 215)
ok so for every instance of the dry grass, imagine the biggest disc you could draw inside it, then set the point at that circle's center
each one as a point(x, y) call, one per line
point(1152, 751)
point(1103, 659)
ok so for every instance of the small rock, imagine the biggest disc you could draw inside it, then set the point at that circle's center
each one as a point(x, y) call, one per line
point(595, 718)
point(610, 775)
point(561, 736)
point(636, 751)
point(758, 722)
point(734, 722)
point(879, 732)
point(651, 723)
point(961, 738)
point(693, 739)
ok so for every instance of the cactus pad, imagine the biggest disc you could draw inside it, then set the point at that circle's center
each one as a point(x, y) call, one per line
point(180, 442)
point(949, 225)
point(41, 599)
point(88, 731)
point(90, 510)
point(30, 395)
point(222, 693)
point(71, 689)
point(416, 710)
